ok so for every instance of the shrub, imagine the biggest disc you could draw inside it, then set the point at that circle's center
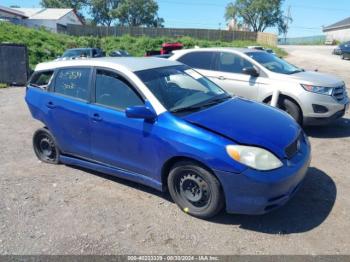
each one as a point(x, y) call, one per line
point(3, 85)
point(44, 45)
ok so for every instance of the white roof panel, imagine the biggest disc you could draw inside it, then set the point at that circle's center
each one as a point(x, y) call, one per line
point(45, 13)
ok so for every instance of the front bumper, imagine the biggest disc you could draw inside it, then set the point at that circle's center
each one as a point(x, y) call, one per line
point(254, 192)
point(335, 108)
point(313, 121)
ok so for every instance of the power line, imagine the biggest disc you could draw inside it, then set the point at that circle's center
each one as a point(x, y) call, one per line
point(199, 3)
point(194, 4)
point(321, 8)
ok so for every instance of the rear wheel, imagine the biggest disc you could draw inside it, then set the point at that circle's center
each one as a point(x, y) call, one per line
point(45, 146)
point(195, 190)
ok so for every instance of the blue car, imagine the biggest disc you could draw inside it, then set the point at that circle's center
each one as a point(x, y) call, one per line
point(162, 124)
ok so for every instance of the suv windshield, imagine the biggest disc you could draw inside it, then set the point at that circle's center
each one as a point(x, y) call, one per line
point(181, 89)
point(77, 53)
point(273, 63)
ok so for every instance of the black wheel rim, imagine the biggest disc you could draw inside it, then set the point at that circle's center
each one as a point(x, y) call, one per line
point(193, 189)
point(45, 147)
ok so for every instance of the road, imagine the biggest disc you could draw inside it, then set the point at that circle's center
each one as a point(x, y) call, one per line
point(320, 58)
point(47, 209)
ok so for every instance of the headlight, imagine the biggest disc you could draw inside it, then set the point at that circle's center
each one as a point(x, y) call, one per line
point(318, 89)
point(254, 157)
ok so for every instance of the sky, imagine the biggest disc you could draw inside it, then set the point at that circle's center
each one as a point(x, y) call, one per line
point(308, 16)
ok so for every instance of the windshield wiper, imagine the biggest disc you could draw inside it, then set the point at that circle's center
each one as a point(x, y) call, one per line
point(296, 71)
point(207, 103)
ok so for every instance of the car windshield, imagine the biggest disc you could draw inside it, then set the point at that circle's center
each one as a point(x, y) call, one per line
point(76, 53)
point(182, 89)
point(273, 63)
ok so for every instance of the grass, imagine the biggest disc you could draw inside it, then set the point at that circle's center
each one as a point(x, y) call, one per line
point(45, 46)
point(3, 85)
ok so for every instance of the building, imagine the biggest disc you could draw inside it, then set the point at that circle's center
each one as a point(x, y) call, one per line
point(339, 31)
point(49, 18)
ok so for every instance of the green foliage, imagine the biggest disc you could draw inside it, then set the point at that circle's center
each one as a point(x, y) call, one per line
point(258, 14)
point(138, 13)
point(103, 11)
point(45, 46)
point(3, 85)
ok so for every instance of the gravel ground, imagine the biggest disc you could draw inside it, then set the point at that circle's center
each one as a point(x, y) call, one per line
point(47, 209)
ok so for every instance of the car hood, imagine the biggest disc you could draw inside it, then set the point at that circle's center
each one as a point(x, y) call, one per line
point(249, 123)
point(314, 78)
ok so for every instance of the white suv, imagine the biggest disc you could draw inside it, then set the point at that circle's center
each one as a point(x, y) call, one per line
point(311, 98)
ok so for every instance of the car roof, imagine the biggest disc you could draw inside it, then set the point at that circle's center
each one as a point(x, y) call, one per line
point(216, 49)
point(81, 48)
point(131, 63)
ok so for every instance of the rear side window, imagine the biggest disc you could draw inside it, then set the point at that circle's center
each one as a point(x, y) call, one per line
point(114, 91)
point(231, 63)
point(200, 60)
point(41, 79)
point(73, 82)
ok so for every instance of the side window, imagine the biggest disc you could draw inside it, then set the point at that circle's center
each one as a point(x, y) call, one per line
point(200, 60)
point(73, 82)
point(41, 79)
point(113, 91)
point(231, 63)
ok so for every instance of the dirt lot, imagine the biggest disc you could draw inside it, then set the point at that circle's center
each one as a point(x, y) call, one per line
point(46, 209)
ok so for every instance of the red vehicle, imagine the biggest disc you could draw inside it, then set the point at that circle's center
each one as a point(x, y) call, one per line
point(166, 49)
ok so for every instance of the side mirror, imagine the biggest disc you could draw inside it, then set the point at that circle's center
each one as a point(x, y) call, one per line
point(250, 71)
point(141, 112)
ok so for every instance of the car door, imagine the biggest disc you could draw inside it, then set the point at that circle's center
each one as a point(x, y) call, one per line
point(117, 140)
point(202, 61)
point(67, 110)
point(229, 75)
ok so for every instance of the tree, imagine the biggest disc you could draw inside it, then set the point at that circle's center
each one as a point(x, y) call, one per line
point(77, 5)
point(139, 13)
point(103, 11)
point(257, 14)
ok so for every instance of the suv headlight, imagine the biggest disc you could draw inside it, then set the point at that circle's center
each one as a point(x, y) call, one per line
point(318, 89)
point(255, 157)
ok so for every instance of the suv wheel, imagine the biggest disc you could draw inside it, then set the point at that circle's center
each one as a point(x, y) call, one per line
point(45, 146)
point(195, 190)
point(290, 107)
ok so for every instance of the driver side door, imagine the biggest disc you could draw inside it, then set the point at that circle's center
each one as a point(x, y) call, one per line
point(117, 140)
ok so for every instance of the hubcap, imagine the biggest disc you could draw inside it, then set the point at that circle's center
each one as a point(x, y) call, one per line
point(45, 147)
point(194, 189)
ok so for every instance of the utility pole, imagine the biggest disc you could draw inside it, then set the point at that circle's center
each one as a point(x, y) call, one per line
point(287, 18)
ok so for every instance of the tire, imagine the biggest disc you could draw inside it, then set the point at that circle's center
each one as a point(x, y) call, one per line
point(195, 190)
point(343, 57)
point(291, 108)
point(45, 146)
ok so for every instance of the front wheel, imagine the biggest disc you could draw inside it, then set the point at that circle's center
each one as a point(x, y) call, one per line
point(291, 108)
point(45, 146)
point(195, 190)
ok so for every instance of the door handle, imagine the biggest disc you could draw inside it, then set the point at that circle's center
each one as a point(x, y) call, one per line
point(222, 78)
point(50, 104)
point(96, 117)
